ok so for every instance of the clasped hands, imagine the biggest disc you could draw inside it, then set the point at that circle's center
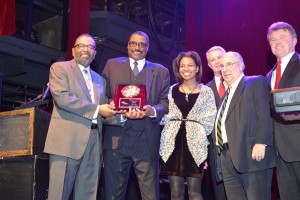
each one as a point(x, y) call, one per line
point(108, 110)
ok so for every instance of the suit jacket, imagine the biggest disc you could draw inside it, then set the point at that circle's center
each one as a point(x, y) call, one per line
point(287, 134)
point(213, 157)
point(249, 122)
point(157, 86)
point(213, 86)
point(73, 110)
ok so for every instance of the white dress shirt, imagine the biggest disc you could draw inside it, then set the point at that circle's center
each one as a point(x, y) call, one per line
point(223, 128)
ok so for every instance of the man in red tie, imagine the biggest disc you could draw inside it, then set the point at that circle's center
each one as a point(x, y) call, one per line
point(213, 56)
point(282, 38)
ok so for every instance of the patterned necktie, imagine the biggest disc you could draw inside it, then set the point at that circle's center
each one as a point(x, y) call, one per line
point(135, 69)
point(219, 131)
point(221, 88)
point(278, 74)
point(87, 79)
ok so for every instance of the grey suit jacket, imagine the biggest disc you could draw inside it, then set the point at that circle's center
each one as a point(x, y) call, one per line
point(249, 122)
point(287, 134)
point(157, 86)
point(73, 109)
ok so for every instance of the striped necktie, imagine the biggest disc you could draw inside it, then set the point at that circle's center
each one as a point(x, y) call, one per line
point(219, 130)
point(87, 79)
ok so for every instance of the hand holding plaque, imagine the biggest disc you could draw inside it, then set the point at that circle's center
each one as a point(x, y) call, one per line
point(130, 96)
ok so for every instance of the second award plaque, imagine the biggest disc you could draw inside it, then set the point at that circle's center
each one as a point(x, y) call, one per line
point(130, 96)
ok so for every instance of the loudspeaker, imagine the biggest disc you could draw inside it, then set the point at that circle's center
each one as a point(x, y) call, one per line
point(23, 132)
point(24, 177)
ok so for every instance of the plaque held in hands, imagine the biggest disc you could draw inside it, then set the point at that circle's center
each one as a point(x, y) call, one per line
point(130, 96)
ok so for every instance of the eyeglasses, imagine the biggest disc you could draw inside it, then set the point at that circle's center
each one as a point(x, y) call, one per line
point(83, 46)
point(140, 44)
point(229, 64)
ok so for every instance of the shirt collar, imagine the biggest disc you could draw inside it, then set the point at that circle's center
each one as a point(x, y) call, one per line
point(141, 63)
point(236, 82)
point(286, 59)
point(81, 67)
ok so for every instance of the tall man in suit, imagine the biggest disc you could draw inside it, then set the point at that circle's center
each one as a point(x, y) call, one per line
point(75, 131)
point(282, 38)
point(137, 143)
point(244, 133)
point(213, 56)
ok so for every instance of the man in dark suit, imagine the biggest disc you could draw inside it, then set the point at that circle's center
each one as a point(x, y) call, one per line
point(243, 133)
point(75, 131)
point(283, 39)
point(213, 56)
point(137, 143)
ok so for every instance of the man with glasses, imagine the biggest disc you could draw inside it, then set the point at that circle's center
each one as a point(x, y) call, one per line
point(243, 133)
point(74, 136)
point(282, 38)
point(135, 144)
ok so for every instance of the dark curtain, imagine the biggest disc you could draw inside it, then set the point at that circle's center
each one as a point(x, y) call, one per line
point(238, 26)
point(7, 17)
point(79, 21)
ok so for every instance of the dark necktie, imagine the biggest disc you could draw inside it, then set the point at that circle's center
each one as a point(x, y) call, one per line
point(278, 74)
point(135, 69)
point(219, 130)
point(222, 89)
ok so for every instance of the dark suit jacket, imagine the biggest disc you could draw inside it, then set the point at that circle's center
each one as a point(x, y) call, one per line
point(287, 134)
point(213, 86)
point(73, 110)
point(249, 122)
point(213, 157)
point(157, 86)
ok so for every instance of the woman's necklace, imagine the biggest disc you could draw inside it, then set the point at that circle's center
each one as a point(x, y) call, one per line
point(188, 93)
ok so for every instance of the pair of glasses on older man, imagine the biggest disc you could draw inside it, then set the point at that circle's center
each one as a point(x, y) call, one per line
point(229, 64)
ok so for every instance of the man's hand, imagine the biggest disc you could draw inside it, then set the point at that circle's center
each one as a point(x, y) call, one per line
point(149, 110)
point(107, 110)
point(258, 152)
point(134, 114)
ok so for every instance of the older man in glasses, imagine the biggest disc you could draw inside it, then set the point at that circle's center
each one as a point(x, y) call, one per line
point(243, 133)
point(137, 143)
point(74, 136)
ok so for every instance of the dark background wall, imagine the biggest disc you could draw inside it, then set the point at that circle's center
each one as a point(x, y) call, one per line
point(238, 26)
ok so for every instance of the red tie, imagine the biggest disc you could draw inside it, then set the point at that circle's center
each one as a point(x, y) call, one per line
point(222, 89)
point(278, 74)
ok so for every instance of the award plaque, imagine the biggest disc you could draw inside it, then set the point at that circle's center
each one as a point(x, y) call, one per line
point(130, 96)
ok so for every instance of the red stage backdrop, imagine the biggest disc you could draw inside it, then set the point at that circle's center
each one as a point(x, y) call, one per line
point(7, 17)
point(238, 26)
point(79, 22)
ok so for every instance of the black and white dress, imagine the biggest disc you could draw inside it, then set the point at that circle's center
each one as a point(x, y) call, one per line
point(184, 143)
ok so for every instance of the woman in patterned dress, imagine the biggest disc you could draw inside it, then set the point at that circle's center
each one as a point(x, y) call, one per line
point(183, 144)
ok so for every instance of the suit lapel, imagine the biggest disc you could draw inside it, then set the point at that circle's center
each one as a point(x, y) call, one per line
point(149, 78)
point(288, 70)
point(216, 93)
point(96, 88)
point(238, 92)
point(78, 75)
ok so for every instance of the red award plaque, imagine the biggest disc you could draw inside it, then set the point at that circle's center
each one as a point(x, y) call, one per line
point(130, 96)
